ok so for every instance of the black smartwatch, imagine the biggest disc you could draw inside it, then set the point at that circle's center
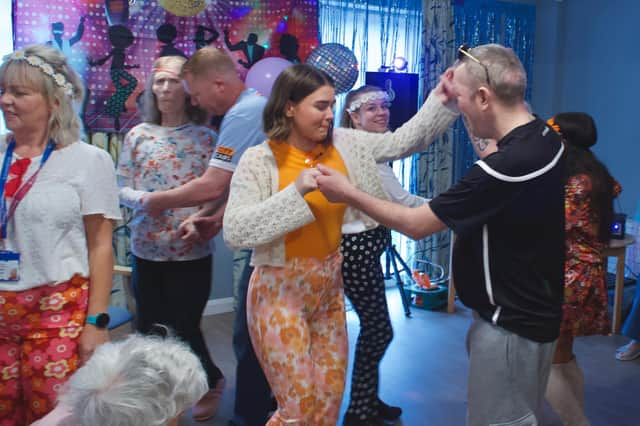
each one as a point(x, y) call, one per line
point(99, 320)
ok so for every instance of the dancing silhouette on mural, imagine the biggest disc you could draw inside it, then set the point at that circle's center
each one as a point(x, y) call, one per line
point(120, 38)
point(251, 49)
point(199, 39)
point(166, 34)
point(64, 45)
point(289, 48)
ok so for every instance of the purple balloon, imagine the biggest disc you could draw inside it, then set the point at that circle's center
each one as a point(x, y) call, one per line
point(263, 74)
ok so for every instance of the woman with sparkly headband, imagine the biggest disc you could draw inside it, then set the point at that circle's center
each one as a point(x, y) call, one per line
point(295, 302)
point(59, 198)
point(171, 275)
point(367, 109)
point(589, 194)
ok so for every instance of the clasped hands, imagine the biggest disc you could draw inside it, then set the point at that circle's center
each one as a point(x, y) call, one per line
point(196, 228)
point(334, 185)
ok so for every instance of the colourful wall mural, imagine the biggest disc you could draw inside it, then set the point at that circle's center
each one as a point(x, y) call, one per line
point(113, 43)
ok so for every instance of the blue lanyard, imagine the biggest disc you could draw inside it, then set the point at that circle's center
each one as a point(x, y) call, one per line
point(4, 215)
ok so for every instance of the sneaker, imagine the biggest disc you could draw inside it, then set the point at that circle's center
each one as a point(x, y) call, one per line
point(208, 404)
point(388, 412)
point(353, 420)
point(628, 352)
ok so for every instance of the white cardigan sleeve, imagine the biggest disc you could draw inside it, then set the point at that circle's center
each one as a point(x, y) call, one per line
point(255, 216)
point(414, 136)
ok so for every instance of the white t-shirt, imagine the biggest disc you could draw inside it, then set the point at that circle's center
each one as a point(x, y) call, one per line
point(47, 228)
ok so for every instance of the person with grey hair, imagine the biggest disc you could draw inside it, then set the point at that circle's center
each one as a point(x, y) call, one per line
point(139, 381)
point(59, 198)
point(171, 275)
point(508, 214)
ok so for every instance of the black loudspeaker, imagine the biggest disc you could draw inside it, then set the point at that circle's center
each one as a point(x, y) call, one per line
point(403, 87)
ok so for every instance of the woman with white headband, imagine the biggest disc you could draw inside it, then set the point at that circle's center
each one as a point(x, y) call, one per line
point(171, 274)
point(367, 108)
point(58, 200)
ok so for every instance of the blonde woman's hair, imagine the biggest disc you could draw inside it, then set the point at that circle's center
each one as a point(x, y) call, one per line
point(64, 125)
point(209, 59)
point(150, 112)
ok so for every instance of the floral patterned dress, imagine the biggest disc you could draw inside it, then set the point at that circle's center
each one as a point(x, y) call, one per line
point(585, 293)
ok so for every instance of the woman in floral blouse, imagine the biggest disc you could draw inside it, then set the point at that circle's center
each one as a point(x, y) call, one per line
point(171, 275)
point(589, 194)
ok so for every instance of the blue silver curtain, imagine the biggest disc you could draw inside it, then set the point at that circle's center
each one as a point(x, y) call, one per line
point(480, 22)
point(432, 170)
point(448, 24)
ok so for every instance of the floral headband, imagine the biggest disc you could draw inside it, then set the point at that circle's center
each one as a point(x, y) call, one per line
point(552, 123)
point(367, 97)
point(45, 67)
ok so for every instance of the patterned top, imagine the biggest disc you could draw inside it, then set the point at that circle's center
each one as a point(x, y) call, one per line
point(156, 158)
point(259, 214)
point(584, 311)
point(581, 229)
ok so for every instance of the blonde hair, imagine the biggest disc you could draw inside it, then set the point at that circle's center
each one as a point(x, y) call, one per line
point(209, 59)
point(508, 78)
point(64, 125)
point(150, 112)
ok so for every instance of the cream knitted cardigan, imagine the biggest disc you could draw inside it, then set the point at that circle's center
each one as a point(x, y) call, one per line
point(258, 215)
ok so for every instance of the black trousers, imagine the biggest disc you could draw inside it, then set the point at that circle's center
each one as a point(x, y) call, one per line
point(175, 294)
point(364, 286)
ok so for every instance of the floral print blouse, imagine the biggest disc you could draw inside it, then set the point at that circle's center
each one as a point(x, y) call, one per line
point(157, 158)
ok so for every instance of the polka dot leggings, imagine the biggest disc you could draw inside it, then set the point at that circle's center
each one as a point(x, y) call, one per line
point(364, 286)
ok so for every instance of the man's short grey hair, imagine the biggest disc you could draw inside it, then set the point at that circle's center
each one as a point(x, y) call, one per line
point(140, 381)
point(506, 73)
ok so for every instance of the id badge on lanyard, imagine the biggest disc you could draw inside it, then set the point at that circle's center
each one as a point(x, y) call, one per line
point(9, 259)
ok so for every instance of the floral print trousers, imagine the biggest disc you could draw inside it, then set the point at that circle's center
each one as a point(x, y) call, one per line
point(39, 331)
point(297, 324)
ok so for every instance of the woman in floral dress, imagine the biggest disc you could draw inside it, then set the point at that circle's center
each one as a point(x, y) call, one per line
point(589, 194)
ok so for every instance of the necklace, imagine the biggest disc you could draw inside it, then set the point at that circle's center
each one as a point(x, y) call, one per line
point(312, 161)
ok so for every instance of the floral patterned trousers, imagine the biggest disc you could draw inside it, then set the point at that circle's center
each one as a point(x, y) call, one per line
point(297, 324)
point(39, 331)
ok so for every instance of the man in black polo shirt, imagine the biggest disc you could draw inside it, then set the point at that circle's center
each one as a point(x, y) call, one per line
point(508, 214)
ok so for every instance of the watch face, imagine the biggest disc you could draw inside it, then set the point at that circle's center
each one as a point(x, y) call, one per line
point(102, 320)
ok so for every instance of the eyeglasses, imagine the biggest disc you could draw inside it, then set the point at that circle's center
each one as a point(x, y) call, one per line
point(463, 51)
